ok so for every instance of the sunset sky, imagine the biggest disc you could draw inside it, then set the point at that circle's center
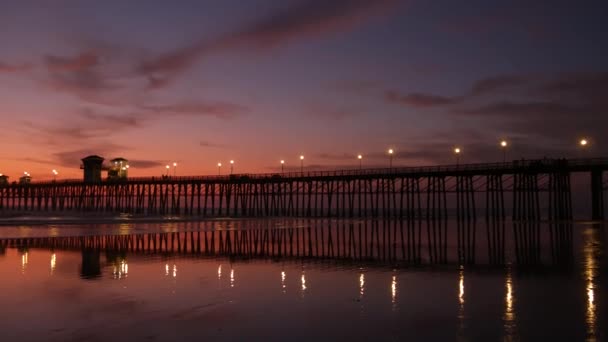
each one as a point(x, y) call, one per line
point(199, 82)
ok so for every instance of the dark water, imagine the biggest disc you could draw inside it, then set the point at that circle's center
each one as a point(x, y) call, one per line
point(303, 280)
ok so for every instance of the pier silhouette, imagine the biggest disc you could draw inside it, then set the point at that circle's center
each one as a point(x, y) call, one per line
point(410, 193)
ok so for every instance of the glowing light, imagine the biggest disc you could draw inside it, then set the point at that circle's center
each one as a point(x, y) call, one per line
point(231, 277)
point(24, 261)
point(219, 272)
point(303, 281)
point(394, 290)
point(301, 157)
point(361, 284)
point(461, 287)
point(457, 150)
point(232, 162)
point(504, 143)
point(167, 167)
point(391, 151)
point(591, 315)
point(283, 276)
point(174, 164)
point(509, 316)
point(359, 157)
point(583, 142)
point(121, 271)
point(166, 269)
point(282, 162)
point(219, 164)
point(174, 271)
point(127, 166)
point(53, 262)
point(590, 274)
point(509, 296)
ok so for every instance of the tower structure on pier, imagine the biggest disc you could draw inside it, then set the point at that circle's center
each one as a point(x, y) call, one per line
point(92, 166)
point(118, 170)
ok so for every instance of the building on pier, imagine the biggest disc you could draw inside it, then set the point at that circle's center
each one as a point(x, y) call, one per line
point(25, 179)
point(3, 179)
point(118, 169)
point(92, 166)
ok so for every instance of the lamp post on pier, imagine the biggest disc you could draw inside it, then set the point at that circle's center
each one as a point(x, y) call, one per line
point(503, 145)
point(302, 164)
point(174, 169)
point(167, 167)
point(457, 152)
point(231, 166)
point(282, 166)
point(219, 169)
point(390, 158)
point(360, 157)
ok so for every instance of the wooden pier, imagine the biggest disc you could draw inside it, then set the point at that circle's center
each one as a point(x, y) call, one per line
point(535, 190)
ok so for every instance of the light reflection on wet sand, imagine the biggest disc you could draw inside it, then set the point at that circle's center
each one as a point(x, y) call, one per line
point(172, 288)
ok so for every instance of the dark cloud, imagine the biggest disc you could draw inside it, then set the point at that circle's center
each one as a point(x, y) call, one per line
point(310, 18)
point(59, 135)
point(420, 99)
point(71, 158)
point(540, 114)
point(534, 21)
point(220, 110)
point(557, 107)
point(91, 87)
point(209, 144)
point(10, 68)
point(87, 124)
point(498, 83)
point(90, 77)
point(356, 86)
point(84, 60)
point(589, 87)
point(551, 110)
point(525, 110)
point(306, 19)
point(336, 157)
point(99, 72)
point(332, 114)
point(110, 121)
point(36, 160)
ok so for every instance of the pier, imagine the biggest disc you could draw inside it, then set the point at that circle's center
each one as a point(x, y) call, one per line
point(523, 190)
